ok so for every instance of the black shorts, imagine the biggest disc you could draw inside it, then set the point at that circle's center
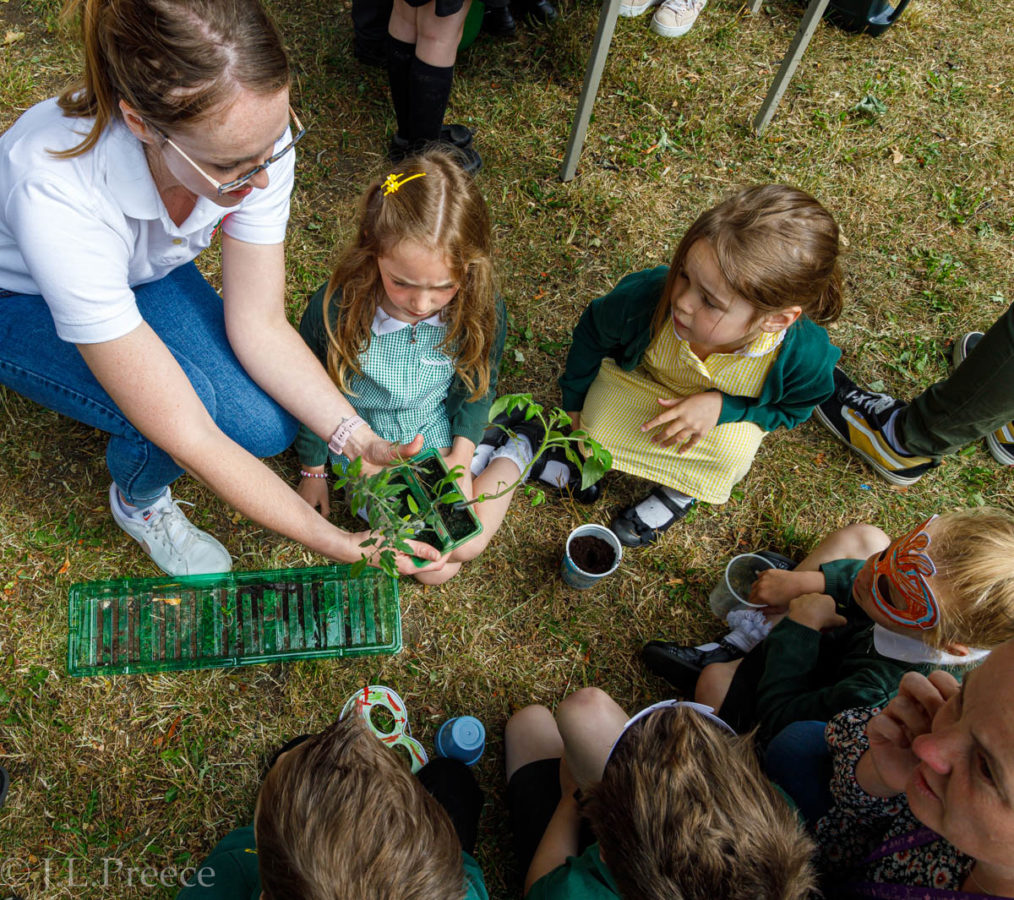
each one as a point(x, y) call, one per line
point(444, 7)
point(532, 796)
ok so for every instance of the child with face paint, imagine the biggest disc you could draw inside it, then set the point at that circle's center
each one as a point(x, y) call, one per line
point(680, 371)
point(853, 617)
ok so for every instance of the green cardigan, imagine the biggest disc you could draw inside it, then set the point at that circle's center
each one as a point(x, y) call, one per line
point(468, 419)
point(618, 326)
point(810, 674)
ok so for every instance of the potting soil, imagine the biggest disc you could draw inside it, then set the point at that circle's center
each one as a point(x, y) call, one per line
point(592, 555)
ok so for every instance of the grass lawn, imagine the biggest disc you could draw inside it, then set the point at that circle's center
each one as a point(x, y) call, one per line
point(906, 138)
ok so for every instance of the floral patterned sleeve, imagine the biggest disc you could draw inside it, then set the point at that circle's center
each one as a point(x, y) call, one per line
point(846, 737)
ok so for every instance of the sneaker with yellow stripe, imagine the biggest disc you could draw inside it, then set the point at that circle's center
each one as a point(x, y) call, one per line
point(861, 419)
point(1001, 441)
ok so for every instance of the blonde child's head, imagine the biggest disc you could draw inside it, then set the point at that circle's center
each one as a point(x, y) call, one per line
point(772, 247)
point(428, 205)
point(683, 812)
point(341, 816)
point(949, 581)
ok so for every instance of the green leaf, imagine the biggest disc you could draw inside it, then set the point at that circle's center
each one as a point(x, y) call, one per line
point(412, 505)
point(593, 470)
point(358, 568)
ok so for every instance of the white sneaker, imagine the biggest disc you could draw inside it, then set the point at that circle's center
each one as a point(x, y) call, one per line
point(674, 18)
point(636, 7)
point(174, 543)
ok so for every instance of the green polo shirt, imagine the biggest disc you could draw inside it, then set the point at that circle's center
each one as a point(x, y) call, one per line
point(230, 872)
point(583, 877)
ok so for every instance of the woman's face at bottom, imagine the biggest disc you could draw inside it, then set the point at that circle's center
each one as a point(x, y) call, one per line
point(963, 786)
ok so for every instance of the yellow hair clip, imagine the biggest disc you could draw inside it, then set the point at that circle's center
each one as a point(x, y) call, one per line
point(393, 182)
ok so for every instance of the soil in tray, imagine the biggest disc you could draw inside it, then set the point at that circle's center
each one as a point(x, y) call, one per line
point(458, 522)
point(592, 555)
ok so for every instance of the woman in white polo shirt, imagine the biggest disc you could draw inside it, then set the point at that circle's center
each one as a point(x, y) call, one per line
point(180, 129)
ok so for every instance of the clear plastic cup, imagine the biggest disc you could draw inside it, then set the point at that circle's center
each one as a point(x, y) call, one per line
point(733, 591)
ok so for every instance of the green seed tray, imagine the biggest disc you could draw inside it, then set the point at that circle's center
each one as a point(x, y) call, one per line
point(466, 522)
point(139, 625)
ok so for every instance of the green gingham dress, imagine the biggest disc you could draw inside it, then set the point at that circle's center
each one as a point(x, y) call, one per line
point(403, 389)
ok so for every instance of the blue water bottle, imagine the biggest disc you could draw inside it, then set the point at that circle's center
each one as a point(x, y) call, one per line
point(463, 738)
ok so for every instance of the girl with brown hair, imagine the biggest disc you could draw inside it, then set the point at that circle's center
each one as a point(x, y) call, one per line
point(179, 128)
point(411, 331)
point(680, 371)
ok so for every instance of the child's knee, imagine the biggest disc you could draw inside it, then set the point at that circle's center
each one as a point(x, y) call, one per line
point(439, 576)
point(527, 723)
point(471, 550)
point(584, 708)
point(861, 540)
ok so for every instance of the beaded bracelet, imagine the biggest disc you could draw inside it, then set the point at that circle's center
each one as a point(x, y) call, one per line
point(306, 474)
point(343, 432)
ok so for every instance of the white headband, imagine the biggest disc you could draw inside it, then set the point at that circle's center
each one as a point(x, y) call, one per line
point(707, 711)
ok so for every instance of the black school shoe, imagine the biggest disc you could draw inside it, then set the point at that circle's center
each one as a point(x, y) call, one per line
point(541, 11)
point(681, 666)
point(573, 487)
point(465, 156)
point(499, 22)
point(457, 136)
point(5, 783)
point(633, 531)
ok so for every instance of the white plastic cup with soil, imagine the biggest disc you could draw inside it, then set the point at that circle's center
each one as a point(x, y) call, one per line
point(733, 591)
point(592, 553)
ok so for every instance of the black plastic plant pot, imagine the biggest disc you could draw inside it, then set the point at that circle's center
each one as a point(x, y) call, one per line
point(448, 525)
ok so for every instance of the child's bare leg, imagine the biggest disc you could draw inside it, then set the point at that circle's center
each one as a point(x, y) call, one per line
point(713, 683)
point(590, 721)
point(497, 475)
point(531, 734)
point(852, 542)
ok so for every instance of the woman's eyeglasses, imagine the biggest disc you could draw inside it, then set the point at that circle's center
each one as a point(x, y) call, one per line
point(239, 182)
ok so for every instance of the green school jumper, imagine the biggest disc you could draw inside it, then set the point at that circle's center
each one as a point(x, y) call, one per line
point(230, 872)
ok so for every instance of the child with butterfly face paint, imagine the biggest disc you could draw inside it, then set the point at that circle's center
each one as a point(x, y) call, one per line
point(847, 628)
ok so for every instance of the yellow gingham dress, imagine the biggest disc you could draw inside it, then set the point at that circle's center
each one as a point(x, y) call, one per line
point(619, 403)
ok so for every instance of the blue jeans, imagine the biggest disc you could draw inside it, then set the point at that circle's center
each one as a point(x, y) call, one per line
point(799, 762)
point(186, 313)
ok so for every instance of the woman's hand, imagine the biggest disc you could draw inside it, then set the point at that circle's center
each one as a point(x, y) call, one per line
point(776, 588)
point(404, 563)
point(816, 611)
point(376, 452)
point(315, 491)
point(686, 419)
point(885, 768)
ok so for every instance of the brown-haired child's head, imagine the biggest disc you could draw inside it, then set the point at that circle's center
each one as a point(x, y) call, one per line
point(341, 816)
point(776, 247)
point(683, 812)
point(434, 205)
point(967, 600)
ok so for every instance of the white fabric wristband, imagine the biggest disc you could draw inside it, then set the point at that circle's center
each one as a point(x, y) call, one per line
point(343, 432)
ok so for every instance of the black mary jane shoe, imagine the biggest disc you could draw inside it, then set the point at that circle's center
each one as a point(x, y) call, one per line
point(681, 666)
point(456, 136)
point(633, 531)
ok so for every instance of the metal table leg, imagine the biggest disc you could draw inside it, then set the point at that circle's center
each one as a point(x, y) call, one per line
point(593, 74)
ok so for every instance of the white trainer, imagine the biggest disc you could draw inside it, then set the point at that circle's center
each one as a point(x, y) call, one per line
point(174, 543)
point(636, 7)
point(674, 18)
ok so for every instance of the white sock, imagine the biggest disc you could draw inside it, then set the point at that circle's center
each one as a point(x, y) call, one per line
point(749, 628)
point(654, 513)
point(480, 459)
point(556, 473)
point(518, 450)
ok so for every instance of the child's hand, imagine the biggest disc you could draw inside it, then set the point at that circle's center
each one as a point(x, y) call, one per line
point(884, 771)
point(575, 421)
point(816, 611)
point(403, 562)
point(314, 491)
point(776, 588)
point(686, 419)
